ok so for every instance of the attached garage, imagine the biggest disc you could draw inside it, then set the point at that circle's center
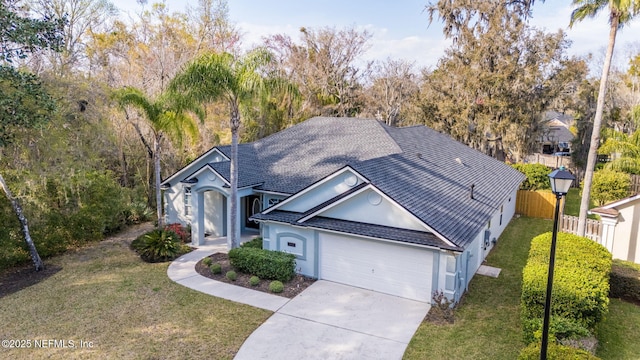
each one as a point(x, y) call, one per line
point(396, 269)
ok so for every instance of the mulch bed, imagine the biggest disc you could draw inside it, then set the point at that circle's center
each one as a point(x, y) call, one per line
point(291, 288)
point(17, 278)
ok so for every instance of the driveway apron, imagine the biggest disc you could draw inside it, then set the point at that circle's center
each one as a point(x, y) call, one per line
point(335, 321)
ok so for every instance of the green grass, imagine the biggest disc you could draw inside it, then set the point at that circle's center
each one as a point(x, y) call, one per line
point(619, 333)
point(487, 324)
point(128, 309)
point(572, 205)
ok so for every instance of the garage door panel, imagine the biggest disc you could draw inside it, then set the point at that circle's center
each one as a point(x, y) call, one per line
point(380, 266)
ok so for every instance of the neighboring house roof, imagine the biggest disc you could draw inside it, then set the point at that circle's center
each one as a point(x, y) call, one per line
point(556, 127)
point(427, 173)
point(611, 209)
point(559, 118)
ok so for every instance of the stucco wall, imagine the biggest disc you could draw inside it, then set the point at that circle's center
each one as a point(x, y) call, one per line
point(297, 241)
point(214, 206)
point(370, 207)
point(627, 234)
point(174, 206)
point(323, 192)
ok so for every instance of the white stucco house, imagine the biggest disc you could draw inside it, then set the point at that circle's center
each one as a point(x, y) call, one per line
point(403, 211)
point(621, 228)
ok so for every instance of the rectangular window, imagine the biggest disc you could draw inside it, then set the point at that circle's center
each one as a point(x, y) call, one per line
point(187, 201)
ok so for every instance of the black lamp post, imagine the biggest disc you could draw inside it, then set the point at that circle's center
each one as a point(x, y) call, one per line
point(560, 183)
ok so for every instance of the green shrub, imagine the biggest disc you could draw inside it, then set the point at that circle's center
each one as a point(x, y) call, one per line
point(231, 275)
point(625, 280)
point(254, 281)
point(581, 279)
point(560, 328)
point(609, 185)
point(265, 264)
point(555, 352)
point(537, 176)
point(137, 212)
point(157, 246)
point(255, 243)
point(207, 261)
point(215, 268)
point(276, 286)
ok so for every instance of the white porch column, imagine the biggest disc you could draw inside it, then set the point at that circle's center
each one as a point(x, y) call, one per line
point(197, 218)
point(238, 219)
point(608, 231)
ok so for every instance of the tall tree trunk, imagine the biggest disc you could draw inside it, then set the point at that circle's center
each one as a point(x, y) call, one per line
point(595, 135)
point(235, 125)
point(37, 261)
point(156, 160)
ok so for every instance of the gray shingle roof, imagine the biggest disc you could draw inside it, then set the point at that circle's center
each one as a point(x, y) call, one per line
point(426, 172)
point(358, 228)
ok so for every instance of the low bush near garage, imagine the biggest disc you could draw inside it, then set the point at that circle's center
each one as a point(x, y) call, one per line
point(625, 280)
point(265, 264)
point(580, 285)
point(276, 286)
point(255, 243)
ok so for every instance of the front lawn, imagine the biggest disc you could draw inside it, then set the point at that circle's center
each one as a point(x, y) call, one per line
point(127, 308)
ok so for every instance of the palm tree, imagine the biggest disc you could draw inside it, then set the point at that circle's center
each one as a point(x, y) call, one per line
point(239, 81)
point(621, 12)
point(168, 115)
point(627, 146)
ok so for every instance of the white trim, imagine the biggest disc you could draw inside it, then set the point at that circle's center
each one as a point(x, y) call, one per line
point(620, 202)
point(315, 185)
point(431, 247)
point(188, 166)
point(384, 196)
point(202, 169)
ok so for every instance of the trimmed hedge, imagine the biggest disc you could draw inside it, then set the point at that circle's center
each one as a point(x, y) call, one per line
point(625, 280)
point(265, 264)
point(580, 284)
point(255, 243)
point(560, 328)
point(555, 352)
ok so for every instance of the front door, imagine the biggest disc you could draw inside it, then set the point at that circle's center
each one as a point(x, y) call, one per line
point(251, 206)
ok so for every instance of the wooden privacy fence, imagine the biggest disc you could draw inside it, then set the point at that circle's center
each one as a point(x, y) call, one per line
point(569, 224)
point(536, 204)
point(542, 205)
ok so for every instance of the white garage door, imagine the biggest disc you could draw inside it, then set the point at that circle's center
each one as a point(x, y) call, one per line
point(399, 270)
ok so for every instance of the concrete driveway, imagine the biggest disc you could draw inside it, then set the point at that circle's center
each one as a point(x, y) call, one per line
point(334, 321)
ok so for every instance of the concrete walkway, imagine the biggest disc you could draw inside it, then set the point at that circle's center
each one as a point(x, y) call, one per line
point(183, 271)
point(325, 321)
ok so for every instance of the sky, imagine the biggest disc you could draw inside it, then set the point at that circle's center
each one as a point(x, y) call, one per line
point(401, 28)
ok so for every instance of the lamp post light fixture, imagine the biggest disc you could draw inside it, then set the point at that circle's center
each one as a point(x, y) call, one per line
point(560, 183)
